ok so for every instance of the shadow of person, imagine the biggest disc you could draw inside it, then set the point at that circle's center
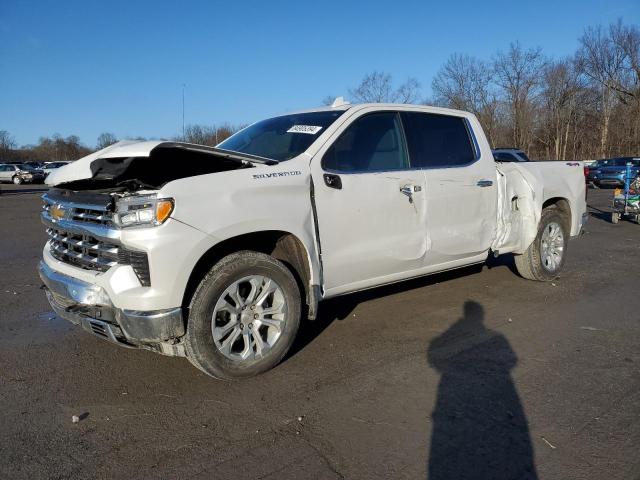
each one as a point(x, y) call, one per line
point(479, 428)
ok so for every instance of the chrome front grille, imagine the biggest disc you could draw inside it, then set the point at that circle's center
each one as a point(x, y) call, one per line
point(81, 234)
point(87, 215)
point(82, 250)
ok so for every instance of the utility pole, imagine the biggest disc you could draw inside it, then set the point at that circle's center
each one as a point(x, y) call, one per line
point(183, 85)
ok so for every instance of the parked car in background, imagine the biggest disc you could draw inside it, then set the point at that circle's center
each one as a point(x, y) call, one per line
point(611, 172)
point(591, 168)
point(509, 155)
point(34, 165)
point(19, 173)
point(51, 166)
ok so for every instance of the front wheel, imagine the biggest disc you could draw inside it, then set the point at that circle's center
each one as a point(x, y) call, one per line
point(17, 180)
point(545, 257)
point(243, 317)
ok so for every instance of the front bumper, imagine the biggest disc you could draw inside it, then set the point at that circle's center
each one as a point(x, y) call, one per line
point(89, 306)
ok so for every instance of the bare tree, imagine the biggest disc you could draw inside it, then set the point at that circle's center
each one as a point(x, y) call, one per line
point(408, 92)
point(377, 87)
point(602, 62)
point(206, 135)
point(200, 134)
point(612, 58)
point(7, 144)
point(464, 83)
point(518, 74)
point(627, 40)
point(560, 92)
point(105, 139)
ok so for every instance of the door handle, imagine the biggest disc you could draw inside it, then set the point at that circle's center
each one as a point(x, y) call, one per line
point(332, 181)
point(409, 190)
point(484, 183)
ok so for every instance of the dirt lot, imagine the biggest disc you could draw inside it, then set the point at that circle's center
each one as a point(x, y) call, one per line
point(475, 374)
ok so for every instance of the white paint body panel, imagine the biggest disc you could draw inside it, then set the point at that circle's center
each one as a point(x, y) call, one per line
point(368, 232)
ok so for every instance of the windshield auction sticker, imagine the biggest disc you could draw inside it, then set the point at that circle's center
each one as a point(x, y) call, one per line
point(310, 129)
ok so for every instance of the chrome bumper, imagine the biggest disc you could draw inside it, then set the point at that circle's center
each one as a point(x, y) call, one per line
point(90, 307)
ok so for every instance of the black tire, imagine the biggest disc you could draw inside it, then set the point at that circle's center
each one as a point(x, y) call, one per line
point(16, 180)
point(200, 346)
point(530, 264)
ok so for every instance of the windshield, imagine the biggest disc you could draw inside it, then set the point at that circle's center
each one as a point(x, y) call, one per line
point(24, 166)
point(281, 138)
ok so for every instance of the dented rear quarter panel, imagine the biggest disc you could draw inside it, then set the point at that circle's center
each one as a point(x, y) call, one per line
point(535, 183)
point(564, 180)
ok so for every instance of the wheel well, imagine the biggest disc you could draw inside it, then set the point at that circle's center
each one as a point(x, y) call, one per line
point(283, 246)
point(562, 205)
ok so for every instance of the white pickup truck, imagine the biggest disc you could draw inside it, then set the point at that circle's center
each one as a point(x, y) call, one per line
point(217, 254)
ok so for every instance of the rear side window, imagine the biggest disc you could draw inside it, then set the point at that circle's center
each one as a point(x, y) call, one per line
point(504, 157)
point(372, 143)
point(437, 141)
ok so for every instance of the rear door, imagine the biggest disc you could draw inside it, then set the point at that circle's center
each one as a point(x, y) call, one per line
point(460, 186)
point(370, 205)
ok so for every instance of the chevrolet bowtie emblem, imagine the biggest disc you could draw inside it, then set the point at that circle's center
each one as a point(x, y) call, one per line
point(57, 212)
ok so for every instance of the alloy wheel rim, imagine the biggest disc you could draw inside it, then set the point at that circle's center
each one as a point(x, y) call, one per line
point(249, 318)
point(552, 246)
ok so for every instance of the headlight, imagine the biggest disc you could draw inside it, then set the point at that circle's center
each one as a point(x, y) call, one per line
point(142, 210)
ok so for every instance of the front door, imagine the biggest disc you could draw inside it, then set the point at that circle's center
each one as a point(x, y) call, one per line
point(370, 205)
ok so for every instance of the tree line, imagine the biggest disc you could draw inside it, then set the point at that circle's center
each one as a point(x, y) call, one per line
point(58, 148)
point(583, 106)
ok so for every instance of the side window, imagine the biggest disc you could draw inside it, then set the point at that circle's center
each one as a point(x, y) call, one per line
point(437, 140)
point(373, 142)
point(505, 157)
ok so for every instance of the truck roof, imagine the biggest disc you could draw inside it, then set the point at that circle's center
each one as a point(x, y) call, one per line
point(381, 106)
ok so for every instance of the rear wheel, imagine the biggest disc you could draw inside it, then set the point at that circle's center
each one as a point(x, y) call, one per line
point(545, 257)
point(243, 317)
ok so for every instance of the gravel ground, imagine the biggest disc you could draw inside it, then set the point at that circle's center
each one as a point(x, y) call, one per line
point(472, 374)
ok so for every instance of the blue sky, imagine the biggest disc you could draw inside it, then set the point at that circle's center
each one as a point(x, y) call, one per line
point(85, 67)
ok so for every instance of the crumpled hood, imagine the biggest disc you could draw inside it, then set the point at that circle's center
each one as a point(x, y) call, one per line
point(81, 169)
